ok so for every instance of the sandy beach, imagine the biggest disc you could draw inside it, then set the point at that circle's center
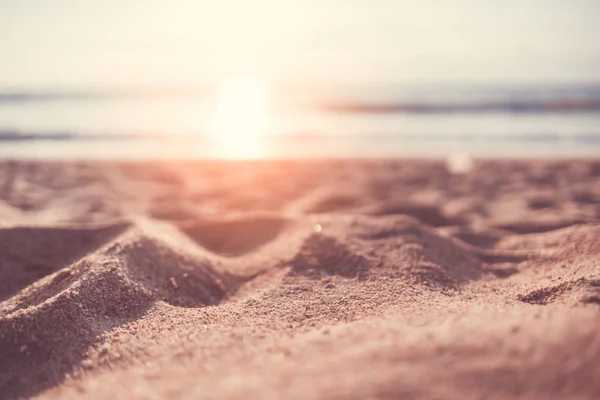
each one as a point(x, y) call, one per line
point(300, 280)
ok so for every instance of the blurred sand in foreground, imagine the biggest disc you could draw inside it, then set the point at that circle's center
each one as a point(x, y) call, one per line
point(313, 279)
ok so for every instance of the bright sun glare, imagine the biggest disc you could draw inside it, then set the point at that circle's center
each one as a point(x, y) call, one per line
point(241, 119)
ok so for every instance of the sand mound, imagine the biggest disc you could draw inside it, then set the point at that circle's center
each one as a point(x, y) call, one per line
point(49, 329)
point(398, 247)
point(167, 273)
point(54, 320)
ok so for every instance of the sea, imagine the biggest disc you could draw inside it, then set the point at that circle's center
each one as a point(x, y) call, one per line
point(350, 121)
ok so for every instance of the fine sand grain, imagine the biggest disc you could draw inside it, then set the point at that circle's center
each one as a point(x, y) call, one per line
point(303, 280)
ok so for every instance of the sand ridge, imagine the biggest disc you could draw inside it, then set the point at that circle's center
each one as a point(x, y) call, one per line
point(300, 279)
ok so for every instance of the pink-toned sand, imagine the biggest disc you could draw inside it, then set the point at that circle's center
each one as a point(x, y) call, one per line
point(300, 280)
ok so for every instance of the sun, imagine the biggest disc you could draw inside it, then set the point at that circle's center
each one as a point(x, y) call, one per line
point(241, 118)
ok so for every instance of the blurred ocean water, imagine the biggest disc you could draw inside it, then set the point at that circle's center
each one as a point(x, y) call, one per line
point(373, 121)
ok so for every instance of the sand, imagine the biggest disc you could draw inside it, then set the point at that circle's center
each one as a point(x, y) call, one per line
point(300, 280)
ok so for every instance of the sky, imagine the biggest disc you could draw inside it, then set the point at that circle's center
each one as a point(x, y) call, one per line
point(132, 43)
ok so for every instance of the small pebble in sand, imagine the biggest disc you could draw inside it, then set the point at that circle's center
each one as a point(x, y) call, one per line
point(23, 348)
point(87, 364)
point(220, 285)
point(174, 283)
point(459, 163)
point(318, 228)
point(104, 348)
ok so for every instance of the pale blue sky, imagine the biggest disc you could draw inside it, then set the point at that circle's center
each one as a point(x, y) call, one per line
point(179, 42)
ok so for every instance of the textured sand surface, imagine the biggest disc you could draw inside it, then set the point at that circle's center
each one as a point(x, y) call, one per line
point(346, 279)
